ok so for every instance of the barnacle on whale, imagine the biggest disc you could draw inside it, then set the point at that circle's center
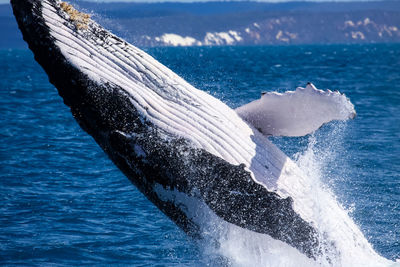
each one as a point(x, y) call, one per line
point(80, 19)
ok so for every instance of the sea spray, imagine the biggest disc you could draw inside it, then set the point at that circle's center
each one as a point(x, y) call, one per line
point(320, 162)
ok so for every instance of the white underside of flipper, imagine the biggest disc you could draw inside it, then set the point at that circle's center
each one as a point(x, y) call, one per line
point(296, 113)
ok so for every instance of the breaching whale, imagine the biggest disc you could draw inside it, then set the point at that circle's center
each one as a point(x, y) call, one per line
point(179, 145)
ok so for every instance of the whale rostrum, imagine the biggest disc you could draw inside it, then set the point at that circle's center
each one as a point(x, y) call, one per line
point(172, 140)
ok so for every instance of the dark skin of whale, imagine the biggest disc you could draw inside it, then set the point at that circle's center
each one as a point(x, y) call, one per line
point(105, 112)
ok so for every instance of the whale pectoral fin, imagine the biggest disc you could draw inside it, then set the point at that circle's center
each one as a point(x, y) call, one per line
point(296, 113)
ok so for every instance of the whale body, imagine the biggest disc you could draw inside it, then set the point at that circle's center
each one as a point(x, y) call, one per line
point(186, 151)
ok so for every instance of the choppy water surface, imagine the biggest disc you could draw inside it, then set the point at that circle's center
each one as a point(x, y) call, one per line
point(64, 202)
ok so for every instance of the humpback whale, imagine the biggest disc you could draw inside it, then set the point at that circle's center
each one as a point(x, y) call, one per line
point(186, 151)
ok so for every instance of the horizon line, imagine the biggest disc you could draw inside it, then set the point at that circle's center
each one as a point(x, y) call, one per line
point(218, 1)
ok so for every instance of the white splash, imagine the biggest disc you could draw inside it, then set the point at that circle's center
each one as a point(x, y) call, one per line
point(352, 249)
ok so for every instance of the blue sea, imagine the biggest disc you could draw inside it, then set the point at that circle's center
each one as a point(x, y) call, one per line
point(63, 202)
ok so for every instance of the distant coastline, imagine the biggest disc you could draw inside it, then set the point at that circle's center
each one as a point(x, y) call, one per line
point(236, 23)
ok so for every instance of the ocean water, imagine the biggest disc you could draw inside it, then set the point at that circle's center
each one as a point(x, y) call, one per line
point(63, 202)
